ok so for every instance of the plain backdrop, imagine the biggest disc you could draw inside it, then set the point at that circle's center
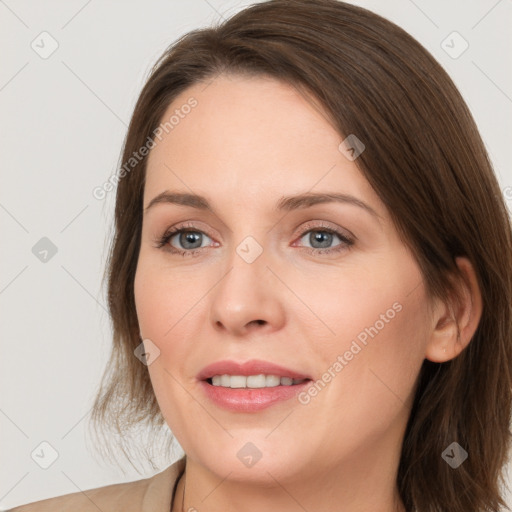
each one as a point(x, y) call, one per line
point(63, 119)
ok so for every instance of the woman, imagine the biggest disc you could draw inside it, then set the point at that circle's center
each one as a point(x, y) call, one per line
point(310, 281)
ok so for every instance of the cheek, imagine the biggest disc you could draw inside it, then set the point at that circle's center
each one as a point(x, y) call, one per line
point(375, 334)
point(368, 370)
point(162, 297)
point(162, 301)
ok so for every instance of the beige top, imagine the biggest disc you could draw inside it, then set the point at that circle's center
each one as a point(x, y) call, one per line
point(154, 494)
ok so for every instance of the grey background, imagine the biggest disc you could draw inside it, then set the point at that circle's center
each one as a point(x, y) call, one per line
point(63, 119)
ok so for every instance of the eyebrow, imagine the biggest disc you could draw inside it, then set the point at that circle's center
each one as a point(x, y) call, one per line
point(288, 203)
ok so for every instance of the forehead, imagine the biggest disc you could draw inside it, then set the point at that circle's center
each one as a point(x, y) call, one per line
point(254, 138)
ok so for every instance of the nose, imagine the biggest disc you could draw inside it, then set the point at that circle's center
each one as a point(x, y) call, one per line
point(248, 299)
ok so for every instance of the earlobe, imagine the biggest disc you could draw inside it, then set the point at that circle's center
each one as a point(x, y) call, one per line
point(456, 319)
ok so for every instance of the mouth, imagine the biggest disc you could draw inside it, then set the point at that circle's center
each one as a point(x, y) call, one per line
point(250, 386)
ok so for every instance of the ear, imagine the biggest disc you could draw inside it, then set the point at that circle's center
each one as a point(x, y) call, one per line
point(455, 320)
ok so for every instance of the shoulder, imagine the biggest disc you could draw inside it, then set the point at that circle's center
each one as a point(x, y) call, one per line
point(151, 494)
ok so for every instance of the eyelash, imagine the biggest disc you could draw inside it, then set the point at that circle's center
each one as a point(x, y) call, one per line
point(346, 242)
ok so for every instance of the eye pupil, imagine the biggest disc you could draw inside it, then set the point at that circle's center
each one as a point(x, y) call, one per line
point(323, 237)
point(190, 237)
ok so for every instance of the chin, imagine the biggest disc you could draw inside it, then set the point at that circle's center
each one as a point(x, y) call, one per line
point(251, 458)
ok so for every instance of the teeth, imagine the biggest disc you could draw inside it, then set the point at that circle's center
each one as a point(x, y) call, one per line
point(253, 381)
point(259, 381)
point(238, 381)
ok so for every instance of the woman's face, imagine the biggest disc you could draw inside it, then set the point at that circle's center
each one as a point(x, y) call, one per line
point(322, 288)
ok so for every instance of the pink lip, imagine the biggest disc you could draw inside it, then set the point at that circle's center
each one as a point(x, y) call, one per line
point(249, 399)
point(252, 367)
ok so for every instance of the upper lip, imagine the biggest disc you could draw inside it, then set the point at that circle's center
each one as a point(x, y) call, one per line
point(252, 367)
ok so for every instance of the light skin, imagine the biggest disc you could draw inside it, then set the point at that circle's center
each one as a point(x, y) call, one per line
point(249, 142)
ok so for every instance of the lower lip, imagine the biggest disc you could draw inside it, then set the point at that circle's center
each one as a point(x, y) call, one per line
point(250, 399)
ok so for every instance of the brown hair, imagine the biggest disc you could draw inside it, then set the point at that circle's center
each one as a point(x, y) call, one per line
point(426, 161)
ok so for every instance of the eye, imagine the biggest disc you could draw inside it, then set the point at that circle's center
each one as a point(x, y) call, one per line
point(321, 239)
point(187, 240)
point(183, 240)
